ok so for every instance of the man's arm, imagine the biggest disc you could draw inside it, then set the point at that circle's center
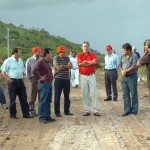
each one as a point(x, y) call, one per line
point(6, 77)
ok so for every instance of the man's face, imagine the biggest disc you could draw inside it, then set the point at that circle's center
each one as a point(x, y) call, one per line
point(109, 52)
point(19, 53)
point(62, 54)
point(37, 53)
point(85, 48)
point(125, 52)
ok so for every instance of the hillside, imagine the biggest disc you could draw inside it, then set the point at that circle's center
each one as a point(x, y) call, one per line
point(27, 38)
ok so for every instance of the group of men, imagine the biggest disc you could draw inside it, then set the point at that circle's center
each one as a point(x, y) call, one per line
point(39, 72)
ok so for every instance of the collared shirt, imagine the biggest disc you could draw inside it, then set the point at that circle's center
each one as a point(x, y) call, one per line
point(13, 68)
point(126, 63)
point(145, 60)
point(61, 61)
point(30, 63)
point(89, 57)
point(74, 62)
point(42, 68)
point(111, 61)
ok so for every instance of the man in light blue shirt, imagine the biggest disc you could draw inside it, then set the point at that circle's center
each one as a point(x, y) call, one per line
point(12, 71)
point(111, 73)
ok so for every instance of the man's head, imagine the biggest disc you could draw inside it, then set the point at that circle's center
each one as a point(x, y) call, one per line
point(16, 52)
point(133, 49)
point(109, 49)
point(61, 50)
point(74, 54)
point(86, 47)
point(46, 53)
point(36, 51)
point(147, 45)
point(126, 49)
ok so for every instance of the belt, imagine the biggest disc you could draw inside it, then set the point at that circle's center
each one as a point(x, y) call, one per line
point(75, 68)
point(16, 79)
point(88, 74)
point(110, 69)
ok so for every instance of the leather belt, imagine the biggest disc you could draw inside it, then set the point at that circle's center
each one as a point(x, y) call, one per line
point(75, 68)
point(88, 74)
point(16, 79)
point(110, 69)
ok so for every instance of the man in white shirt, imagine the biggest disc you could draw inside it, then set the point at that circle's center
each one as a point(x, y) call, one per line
point(111, 73)
point(74, 70)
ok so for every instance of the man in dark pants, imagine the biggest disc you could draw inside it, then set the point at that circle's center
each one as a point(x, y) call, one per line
point(30, 63)
point(145, 60)
point(43, 72)
point(12, 71)
point(111, 73)
point(62, 65)
point(128, 69)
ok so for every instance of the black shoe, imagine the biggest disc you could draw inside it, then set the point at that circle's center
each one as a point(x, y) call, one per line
point(134, 113)
point(114, 99)
point(58, 115)
point(126, 114)
point(108, 99)
point(44, 121)
point(76, 86)
point(28, 117)
point(50, 119)
point(14, 117)
point(68, 113)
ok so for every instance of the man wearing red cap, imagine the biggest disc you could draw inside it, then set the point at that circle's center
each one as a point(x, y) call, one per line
point(111, 73)
point(30, 63)
point(87, 61)
point(62, 65)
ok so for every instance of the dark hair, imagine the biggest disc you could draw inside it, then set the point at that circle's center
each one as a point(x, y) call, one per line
point(45, 51)
point(15, 50)
point(127, 46)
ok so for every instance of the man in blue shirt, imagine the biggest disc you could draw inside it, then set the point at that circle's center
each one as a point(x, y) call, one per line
point(111, 73)
point(12, 71)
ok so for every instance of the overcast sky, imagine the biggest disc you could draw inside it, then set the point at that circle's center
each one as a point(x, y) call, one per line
point(100, 22)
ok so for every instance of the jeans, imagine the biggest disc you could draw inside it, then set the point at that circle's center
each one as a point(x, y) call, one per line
point(17, 87)
point(44, 106)
point(62, 84)
point(2, 96)
point(130, 95)
point(89, 89)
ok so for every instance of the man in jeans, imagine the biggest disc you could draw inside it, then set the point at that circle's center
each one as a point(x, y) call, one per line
point(128, 69)
point(29, 68)
point(43, 72)
point(13, 71)
point(62, 65)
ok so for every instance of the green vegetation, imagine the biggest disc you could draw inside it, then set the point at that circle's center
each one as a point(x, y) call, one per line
point(28, 38)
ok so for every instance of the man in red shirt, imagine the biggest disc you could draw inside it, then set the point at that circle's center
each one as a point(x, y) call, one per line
point(87, 61)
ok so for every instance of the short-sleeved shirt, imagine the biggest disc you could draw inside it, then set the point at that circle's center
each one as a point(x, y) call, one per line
point(13, 68)
point(61, 61)
point(89, 57)
point(145, 60)
point(126, 63)
point(74, 62)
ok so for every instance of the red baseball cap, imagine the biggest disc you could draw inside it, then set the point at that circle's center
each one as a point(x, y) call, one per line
point(36, 48)
point(108, 47)
point(61, 49)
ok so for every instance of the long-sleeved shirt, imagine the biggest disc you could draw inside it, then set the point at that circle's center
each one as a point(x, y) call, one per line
point(30, 63)
point(13, 68)
point(111, 61)
point(42, 68)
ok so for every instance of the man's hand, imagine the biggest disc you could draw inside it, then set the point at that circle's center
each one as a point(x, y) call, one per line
point(43, 78)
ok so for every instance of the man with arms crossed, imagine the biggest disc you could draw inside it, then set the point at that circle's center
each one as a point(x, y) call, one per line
point(87, 61)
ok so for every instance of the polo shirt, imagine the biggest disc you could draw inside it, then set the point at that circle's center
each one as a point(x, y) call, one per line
point(86, 57)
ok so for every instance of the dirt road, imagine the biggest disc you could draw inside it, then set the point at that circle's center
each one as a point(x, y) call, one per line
point(111, 131)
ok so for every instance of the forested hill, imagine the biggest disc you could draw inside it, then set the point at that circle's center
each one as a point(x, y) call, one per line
point(27, 38)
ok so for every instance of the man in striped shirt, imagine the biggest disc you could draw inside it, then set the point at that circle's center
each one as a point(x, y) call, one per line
point(62, 65)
